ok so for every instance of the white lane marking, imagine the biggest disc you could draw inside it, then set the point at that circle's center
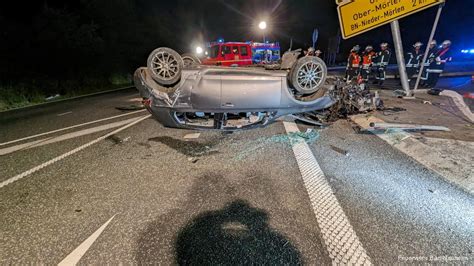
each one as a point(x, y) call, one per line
point(8, 150)
point(341, 241)
point(71, 127)
point(74, 257)
point(41, 142)
point(43, 165)
point(66, 113)
point(136, 100)
point(192, 136)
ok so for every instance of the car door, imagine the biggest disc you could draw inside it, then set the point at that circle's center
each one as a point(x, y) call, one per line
point(206, 94)
point(246, 90)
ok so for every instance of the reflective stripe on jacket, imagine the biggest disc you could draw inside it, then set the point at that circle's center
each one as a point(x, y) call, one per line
point(353, 60)
point(384, 57)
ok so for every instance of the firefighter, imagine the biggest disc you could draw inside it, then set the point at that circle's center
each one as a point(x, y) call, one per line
point(375, 68)
point(414, 58)
point(431, 57)
point(383, 57)
point(367, 60)
point(353, 64)
point(318, 53)
point(437, 66)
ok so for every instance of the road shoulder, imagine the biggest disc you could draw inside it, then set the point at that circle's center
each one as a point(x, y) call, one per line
point(450, 154)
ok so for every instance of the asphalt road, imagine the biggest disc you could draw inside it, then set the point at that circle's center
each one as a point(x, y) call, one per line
point(461, 85)
point(220, 198)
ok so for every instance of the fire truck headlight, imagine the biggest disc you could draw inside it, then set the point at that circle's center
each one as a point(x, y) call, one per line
point(199, 50)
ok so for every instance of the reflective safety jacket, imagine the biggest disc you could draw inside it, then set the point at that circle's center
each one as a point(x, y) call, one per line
point(383, 57)
point(414, 58)
point(367, 59)
point(431, 56)
point(442, 57)
point(354, 60)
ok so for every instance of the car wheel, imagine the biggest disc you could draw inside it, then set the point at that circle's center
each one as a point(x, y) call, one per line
point(308, 74)
point(165, 66)
point(190, 60)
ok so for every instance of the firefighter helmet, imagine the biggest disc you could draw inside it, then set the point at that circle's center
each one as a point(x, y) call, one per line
point(384, 44)
point(417, 44)
point(355, 48)
point(369, 48)
point(310, 50)
point(434, 42)
point(447, 43)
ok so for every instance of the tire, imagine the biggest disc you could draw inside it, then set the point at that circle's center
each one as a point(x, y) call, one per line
point(308, 74)
point(165, 66)
point(190, 60)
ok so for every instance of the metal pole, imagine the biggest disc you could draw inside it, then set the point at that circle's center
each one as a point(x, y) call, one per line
point(397, 40)
point(425, 56)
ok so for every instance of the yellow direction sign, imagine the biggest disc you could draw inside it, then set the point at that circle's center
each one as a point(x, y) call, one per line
point(358, 16)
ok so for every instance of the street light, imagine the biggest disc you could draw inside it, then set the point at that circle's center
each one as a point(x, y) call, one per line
point(263, 25)
point(199, 50)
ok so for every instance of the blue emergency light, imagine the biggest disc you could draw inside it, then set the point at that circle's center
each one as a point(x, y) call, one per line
point(471, 51)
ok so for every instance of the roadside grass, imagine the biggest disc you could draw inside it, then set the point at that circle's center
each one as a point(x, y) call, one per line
point(27, 94)
point(18, 96)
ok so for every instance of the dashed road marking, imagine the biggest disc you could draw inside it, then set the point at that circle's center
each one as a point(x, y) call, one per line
point(74, 257)
point(66, 113)
point(66, 128)
point(67, 154)
point(341, 241)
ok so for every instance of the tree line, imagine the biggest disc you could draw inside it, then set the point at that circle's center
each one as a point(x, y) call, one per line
point(57, 46)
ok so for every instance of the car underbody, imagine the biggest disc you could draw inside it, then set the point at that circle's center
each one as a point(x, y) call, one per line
point(234, 98)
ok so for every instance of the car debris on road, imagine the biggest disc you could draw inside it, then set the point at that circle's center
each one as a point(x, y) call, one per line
point(339, 150)
point(407, 127)
point(192, 136)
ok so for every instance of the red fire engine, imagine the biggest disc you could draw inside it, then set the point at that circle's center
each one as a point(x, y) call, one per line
point(241, 53)
point(229, 54)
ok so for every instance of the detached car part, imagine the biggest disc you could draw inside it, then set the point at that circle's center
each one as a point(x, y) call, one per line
point(349, 99)
point(189, 95)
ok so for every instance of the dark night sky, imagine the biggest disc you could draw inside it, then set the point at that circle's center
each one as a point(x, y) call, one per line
point(121, 33)
point(235, 20)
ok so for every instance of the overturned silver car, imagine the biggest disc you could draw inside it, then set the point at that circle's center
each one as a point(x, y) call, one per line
point(185, 94)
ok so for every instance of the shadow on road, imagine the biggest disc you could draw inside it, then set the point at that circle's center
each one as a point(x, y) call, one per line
point(237, 234)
